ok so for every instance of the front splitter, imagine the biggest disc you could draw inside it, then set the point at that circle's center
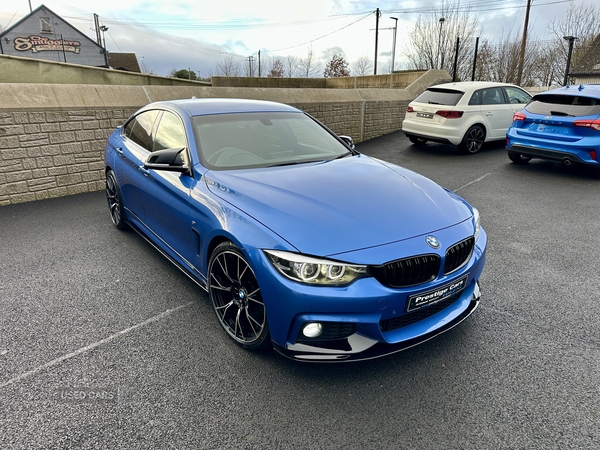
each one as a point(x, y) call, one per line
point(377, 350)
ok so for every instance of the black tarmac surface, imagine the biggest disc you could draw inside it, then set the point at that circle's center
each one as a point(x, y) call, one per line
point(104, 344)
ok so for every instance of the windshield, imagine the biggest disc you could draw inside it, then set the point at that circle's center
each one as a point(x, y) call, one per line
point(437, 96)
point(244, 140)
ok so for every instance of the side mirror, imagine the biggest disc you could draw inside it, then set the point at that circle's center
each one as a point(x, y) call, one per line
point(168, 159)
point(348, 140)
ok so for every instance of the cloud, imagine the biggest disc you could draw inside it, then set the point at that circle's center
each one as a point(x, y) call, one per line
point(187, 33)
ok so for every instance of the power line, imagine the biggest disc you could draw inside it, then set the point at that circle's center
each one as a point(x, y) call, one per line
point(321, 37)
point(258, 24)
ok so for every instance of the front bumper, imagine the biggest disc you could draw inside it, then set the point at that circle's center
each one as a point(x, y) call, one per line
point(362, 348)
point(366, 311)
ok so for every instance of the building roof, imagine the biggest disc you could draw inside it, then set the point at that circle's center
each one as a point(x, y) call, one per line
point(124, 61)
point(45, 8)
point(589, 62)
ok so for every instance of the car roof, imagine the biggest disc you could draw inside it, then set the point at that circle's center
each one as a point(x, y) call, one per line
point(469, 85)
point(591, 90)
point(209, 106)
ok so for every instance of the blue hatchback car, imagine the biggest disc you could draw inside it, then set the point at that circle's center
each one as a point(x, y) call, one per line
point(301, 242)
point(561, 125)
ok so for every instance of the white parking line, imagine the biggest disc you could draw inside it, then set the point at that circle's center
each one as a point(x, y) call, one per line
point(472, 182)
point(87, 348)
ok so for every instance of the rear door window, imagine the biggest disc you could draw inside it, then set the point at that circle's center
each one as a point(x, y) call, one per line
point(564, 105)
point(433, 96)
point(492, 96)
point(139, 129)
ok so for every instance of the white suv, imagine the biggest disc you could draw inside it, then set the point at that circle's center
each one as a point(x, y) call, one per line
point(466, 114)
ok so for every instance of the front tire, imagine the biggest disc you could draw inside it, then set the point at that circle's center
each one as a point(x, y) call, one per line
point(236, 298)
point(115, 204)
point(518, 158)
point(473, 140)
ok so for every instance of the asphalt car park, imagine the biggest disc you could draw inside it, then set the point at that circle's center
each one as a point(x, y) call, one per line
point(105, 344)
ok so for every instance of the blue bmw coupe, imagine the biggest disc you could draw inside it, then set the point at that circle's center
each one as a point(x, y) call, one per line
point(301, 242)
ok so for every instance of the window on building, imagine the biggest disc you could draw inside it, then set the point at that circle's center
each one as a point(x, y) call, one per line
point(45, 25)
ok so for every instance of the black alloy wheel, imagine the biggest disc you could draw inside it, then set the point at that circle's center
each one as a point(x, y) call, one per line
point(115, 204)
point(473, 140)
point(236, 298)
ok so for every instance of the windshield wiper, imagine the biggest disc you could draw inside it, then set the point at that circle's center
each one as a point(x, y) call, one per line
point(293, 163)
point(308, 161)
point(344, 155)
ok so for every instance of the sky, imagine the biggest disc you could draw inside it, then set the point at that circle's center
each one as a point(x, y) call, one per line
point(199, 34)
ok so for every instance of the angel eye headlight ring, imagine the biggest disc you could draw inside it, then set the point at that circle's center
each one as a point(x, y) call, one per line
point(315, 271)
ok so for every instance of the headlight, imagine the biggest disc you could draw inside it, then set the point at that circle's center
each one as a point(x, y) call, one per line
point(306, 269)
point(476, 222)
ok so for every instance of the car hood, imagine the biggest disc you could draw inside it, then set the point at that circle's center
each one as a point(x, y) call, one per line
point(341, 205)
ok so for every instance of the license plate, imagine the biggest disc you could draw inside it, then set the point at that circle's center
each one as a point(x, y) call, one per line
point(436, 295)
point(551, 129)
point(425, 115)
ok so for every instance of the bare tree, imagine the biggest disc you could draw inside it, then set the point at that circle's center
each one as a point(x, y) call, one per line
point(580, 21)
point(291, 66)
point(500, 62)
point(228, 67)
point(543, 64)
point(336, 67)
point(146, 68)
point(277, 69)
point(362, 66)
point(310, 66)
point(433, 39)
point(385, 66)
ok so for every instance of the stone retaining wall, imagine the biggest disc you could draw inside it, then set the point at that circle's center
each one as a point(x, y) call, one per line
point(46, 154)
point(52, 136)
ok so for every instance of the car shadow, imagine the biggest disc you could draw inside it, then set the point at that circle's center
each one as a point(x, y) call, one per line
point(545, 167)
point(436, 148)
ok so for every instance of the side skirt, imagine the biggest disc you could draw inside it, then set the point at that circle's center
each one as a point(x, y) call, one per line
point(199, 279)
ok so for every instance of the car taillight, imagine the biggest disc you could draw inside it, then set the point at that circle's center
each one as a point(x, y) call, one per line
point(450, 114)
point(518, 116)
point(593, 154)
point(595, 124)
point(410, 109)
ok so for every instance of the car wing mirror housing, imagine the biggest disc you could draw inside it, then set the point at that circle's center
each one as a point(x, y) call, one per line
point(348, 140)
point(169, 159)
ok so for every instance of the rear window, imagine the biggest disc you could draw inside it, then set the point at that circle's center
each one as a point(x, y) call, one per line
point(564, 105)
point(435, 96)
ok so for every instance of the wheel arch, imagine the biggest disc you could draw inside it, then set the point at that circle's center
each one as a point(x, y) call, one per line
point(479, 124)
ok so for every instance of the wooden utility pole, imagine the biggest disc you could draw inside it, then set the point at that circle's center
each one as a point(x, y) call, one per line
point(377, 14)
point(523, 45)
point(97, 27)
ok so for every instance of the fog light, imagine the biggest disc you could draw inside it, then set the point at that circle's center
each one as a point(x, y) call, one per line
point(312, 330)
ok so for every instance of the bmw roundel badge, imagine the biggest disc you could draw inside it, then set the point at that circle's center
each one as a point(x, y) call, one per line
point(433, 242)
